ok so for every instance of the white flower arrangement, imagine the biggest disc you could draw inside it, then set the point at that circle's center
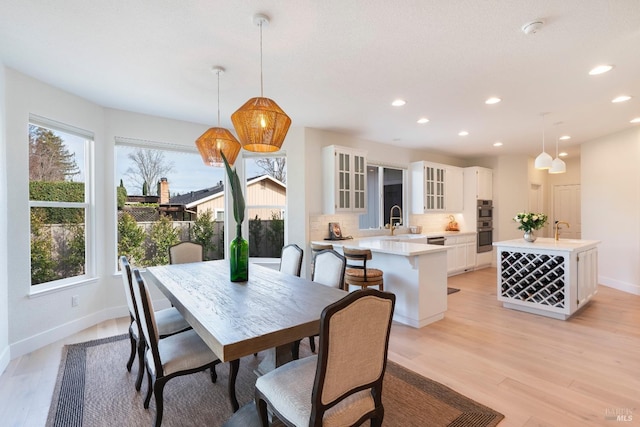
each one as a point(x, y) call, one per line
point(530, 221)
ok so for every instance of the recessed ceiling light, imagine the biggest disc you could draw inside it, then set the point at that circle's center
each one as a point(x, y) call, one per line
point(564, 137)
point(492, 100)
point(636, 120)
point(497, 144)
point(423, 120)
point(621, 98)
point(563, 154)
point(398, 102)
point(463, 133)
point(600, 69)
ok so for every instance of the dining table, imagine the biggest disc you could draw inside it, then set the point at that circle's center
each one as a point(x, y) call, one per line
point(267, 313)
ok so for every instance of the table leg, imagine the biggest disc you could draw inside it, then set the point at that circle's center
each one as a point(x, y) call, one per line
point(234, 366)
point(273, 358)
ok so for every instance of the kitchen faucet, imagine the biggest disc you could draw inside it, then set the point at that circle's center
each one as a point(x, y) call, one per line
point(557, 227)
point(391, 217)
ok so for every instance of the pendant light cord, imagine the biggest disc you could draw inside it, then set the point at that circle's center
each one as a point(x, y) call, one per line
point(218, 73)
point(261, 91)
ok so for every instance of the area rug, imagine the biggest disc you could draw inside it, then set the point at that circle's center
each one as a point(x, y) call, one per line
point(93, 388)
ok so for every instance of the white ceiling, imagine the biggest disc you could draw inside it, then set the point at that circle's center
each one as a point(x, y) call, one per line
point(337, 65)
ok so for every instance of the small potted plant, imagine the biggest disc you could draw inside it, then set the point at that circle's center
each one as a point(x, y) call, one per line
point(529, 222)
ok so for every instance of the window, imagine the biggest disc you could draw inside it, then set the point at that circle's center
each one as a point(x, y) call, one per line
point(60, 195)
point(166, 194)
point(266, 200)
point(385, 188)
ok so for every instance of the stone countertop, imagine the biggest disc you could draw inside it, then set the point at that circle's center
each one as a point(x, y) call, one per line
point(394, 245)
point(547, 243)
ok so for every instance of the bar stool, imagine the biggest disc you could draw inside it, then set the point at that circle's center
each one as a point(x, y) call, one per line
point(357, 273)
point(315, 248)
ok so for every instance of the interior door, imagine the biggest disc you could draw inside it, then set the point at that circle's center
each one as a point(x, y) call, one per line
point(566, 207)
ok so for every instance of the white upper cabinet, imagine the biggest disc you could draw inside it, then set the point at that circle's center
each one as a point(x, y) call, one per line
point(478, 183)
point(435, 188)
point(345, 180)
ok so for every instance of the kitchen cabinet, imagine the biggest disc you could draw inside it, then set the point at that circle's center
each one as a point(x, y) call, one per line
point(436, 188)
point(461, 253)
point(478, 184)
point(345, 180)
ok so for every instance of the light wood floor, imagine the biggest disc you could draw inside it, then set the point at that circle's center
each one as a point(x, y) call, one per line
point(535, 370)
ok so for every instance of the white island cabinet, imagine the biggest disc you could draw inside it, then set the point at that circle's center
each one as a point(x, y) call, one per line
point(553, 278)
point(415, 272)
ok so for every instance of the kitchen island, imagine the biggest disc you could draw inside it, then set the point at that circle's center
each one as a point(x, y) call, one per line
point(548, 277)
point(415, 272)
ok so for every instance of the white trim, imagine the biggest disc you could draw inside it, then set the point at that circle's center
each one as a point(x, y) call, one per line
point(204, 199)
point(58, 285)
point(630, 288)
point(5, 359)
point(146, 143)
point(59, 126)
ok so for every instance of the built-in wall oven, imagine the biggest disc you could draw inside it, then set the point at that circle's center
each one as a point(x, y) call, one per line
point(485, 226)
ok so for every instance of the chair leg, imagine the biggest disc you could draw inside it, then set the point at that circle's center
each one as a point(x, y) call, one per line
point(141, 348)
point(147, 399)
point(261, 406)
point(233, 373)
point(214, 374)
point(312, 344)
point(295, 350)
point(133, 350)
point(158, 390)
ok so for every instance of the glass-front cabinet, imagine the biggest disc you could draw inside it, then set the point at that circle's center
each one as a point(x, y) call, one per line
point(345, 185)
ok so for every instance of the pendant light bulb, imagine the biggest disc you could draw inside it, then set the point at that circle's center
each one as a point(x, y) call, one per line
point(544, 160)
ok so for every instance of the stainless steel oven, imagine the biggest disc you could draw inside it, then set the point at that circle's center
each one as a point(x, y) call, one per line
point(485, 226)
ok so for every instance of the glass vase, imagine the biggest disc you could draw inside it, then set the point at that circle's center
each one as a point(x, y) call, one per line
point(239, 257)
point(529, 236)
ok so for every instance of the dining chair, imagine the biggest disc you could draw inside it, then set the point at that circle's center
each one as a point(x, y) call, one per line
point(329, 267)
point(180, 354)
point(315, 248)
point(357, 273)
point(342, 384)
point(185, 252)
point(169, 321)
point(291, 260)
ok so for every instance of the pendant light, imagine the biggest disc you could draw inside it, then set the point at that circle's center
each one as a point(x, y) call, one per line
point(557, 165)
point(260, 123)
point(218, 140)
point(544, 160)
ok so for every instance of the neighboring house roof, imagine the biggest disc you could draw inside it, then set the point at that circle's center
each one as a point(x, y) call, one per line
point(194, 198)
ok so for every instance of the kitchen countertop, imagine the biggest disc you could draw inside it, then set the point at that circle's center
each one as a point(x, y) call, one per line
point(548, 243)
point(395, 245)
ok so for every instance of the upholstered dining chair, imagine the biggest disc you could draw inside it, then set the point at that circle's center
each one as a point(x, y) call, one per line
point(169, 321)
point(185, 252)
point(329, 268)
point(291, 259)
point(180, 354)
point(342, 385)
point(357, 273)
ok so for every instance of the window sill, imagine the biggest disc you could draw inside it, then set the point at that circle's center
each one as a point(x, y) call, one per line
point(54, 289)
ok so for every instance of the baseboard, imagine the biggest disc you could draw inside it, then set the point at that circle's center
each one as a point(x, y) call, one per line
point(4, 359)
point(629, 288)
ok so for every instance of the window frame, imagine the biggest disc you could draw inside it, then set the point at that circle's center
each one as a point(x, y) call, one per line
point(88, 205)
point(380, 166)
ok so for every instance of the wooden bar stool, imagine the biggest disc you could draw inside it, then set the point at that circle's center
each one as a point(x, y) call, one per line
point(357, 273)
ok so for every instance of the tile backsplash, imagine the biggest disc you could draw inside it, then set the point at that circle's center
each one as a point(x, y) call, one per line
point(349, 223)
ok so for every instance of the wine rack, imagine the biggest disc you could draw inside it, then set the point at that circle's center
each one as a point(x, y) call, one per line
point(535, 278)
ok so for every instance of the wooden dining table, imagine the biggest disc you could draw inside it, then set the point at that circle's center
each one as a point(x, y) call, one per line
point(267, 313)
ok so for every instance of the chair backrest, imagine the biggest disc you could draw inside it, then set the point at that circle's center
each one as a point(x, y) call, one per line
point(127, 282)
point(185, 252)
point(354, 341)
point(360, 256)
point(317, 247)
point(291, 259)
point(329, 268)
point(147, 320)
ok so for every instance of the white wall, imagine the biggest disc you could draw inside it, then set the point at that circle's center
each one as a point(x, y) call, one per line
point(610, 180)
point(4, 278)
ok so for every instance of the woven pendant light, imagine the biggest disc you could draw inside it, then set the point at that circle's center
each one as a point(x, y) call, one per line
point(218, 140)
point(260, 123)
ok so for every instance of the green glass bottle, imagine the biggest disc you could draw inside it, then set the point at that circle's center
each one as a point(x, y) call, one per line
point(239, 257)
